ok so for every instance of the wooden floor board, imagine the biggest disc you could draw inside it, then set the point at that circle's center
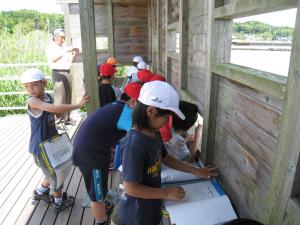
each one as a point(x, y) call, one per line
point(19, 176)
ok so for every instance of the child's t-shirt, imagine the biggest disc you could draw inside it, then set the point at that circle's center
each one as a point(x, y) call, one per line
point(141, 161)
point(178, 148)
point(42, 125)
point(106, 94)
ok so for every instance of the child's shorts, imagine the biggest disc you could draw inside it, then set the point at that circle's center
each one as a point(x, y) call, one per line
point(95, 182)
point(39, 161)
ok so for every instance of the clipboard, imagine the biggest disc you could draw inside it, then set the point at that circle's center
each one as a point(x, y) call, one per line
point(56, 151)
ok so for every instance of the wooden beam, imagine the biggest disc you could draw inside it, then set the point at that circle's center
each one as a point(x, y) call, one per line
point(184, 38)
point(292, 212)
point(150, 33)
point(173, 55)
point(219, 48)
point(269, 83)
point(242, 8)
point(110, 28)
point(287, 155)
point(173, 26)
point(67, 28)
point(88, 39)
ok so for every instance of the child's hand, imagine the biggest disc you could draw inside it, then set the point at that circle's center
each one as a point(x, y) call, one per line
point(206, 172)
point(189, 138)
point(84, 100)
point(174, 193)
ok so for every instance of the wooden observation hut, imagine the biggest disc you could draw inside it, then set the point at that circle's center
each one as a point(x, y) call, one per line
point(251, 117)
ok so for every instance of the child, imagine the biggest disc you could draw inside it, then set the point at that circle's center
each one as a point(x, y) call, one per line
point(132, 72)
point(107, 93)
point(142, 65)
point(177, 146)
point(112, 61)
point(144, 76)
point(93, 142)
point(143, 152)
point(41, 114)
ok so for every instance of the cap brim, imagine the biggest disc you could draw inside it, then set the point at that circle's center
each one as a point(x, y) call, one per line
point(177, 112)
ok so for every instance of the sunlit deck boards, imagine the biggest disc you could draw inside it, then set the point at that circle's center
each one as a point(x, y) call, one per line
point(19, 176)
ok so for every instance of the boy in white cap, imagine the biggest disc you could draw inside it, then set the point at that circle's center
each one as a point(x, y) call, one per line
point(41, 112)
point(61, 58)
point(132, 72)
point(142, 154)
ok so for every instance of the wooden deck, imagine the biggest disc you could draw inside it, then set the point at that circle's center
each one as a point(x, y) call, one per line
point(19, 176)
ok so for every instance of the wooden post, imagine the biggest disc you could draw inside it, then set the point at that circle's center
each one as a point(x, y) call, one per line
point(110, 28)
point(150, 33)
point(285, 164)
point(183, 31)
point(88, 39)
point(219, 48)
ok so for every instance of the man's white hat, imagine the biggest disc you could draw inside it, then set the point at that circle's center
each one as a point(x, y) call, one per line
point(161, 95)
point(59, 32)
point(138, 59)
point(142, 65)
point(32, 75)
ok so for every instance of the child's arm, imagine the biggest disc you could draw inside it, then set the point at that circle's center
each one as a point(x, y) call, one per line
point(206, 172)
point(36, 103)
point(147, 192)
point(194, 146)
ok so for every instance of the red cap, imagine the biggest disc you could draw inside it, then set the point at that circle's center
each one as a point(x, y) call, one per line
point(157, 77)
point(106, 70)
point(133, 90)
point(144, 76)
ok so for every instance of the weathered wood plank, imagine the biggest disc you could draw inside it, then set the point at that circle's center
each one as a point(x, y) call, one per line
point(286, 162)
point(219, 48)
point(292, 212)
point(267, 82)
point(253, 93)
point(183, 52)
point(89, 52)
point(242, 8)
point(110, 26)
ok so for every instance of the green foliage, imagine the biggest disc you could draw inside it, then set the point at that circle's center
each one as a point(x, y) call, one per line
point(261, 29)
point(25, 21)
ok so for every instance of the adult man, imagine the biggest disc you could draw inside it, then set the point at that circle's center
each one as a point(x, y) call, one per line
point(61, 59)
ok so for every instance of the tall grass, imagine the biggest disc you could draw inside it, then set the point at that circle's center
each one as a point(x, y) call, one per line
point(20, 48)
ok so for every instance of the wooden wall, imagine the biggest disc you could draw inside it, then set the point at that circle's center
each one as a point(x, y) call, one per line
point(246, 138)
point(130, 30)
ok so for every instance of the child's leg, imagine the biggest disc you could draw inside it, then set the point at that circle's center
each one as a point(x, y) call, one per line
point(96, 185)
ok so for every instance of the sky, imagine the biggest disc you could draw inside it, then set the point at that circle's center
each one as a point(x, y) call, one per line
point(48, 6)
point(279, 18)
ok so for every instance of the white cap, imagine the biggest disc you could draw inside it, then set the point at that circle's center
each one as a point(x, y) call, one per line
point(142, 65)
point(138, 59)
point(59, 32)
point(32, 75)
point(161, 95)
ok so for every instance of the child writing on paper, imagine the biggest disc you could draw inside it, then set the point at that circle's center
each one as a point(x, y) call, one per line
point(142, 154)
point(177, 146)
point(41, 112)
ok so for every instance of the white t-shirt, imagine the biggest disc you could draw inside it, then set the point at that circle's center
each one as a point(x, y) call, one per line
point(132, 72)
point(53, 51)
point(177, 147)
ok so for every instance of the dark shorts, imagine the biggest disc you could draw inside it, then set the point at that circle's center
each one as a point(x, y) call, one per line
point(95, 182)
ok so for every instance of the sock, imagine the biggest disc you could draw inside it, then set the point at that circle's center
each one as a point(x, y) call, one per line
point(100, 222)
point(41, 190)
point(58, 200)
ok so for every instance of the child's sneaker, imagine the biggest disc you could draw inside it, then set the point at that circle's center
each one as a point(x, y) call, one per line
point(66, 202)
point(45, 197)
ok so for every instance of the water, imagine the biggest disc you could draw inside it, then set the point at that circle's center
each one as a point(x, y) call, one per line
point(271, 61)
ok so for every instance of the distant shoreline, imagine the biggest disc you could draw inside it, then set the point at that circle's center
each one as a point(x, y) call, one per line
point(261, 45)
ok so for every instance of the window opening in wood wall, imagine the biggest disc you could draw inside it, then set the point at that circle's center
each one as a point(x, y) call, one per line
point(264, 41)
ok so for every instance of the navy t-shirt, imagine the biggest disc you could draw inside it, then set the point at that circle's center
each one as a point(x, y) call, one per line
point(98, 133)
point(141, 160)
